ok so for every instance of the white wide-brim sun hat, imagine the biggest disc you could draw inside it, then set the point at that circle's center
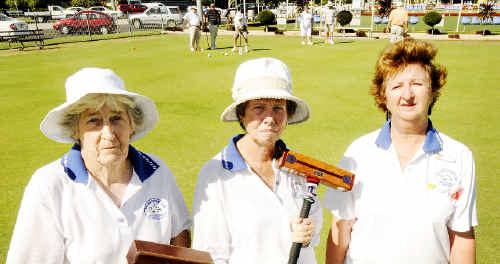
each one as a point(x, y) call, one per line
point(88, 81)
point(264, 78)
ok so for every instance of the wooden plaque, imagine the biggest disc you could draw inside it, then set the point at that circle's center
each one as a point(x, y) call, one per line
point(144, 252)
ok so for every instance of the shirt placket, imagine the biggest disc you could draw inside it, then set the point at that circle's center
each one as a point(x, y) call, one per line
point(124, 230)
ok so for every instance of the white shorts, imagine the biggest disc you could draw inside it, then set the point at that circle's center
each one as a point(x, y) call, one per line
point(329, 27)
point(305, 30)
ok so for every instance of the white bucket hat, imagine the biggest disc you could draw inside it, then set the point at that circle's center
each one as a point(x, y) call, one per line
point(264, 78)
point(95, 81)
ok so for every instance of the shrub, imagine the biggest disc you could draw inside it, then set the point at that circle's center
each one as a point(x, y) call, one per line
point(361, 34)
point(266, 18)
point(432, 18)
point(344, 17)
point(483, 32)
point(433, 31)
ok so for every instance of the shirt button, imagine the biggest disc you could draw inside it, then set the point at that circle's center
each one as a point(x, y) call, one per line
point(121, 220)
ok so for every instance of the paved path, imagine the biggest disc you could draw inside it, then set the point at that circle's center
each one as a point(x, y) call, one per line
point(375, 35)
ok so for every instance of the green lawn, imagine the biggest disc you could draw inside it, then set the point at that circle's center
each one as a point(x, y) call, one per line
point(192, 90)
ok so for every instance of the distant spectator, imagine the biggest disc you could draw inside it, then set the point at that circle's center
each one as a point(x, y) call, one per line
point(330, 15)
point(398, 22)
point(194, 22)
point(240, 30)
point(212, 18)
point(306, 26)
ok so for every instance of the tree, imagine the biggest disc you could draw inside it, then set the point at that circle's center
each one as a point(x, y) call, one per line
point(267, 18)
point(431, 19)
point(344, 17)
point(384, 7)
point(86, 3)
point(486, 13)
point(17, 4)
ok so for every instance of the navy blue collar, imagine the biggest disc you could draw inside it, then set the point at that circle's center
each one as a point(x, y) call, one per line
point(144, 166)
point(432, 143)
point(233, 161)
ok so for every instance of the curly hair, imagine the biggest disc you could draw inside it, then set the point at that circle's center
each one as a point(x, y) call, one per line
point(396, 57)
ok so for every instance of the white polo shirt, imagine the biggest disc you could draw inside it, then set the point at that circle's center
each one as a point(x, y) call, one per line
point(66, 217)
point(330, 15)
point(240, 220)
point(193, 19)
point(403, 214)
point(306, 19)
point(239, 20)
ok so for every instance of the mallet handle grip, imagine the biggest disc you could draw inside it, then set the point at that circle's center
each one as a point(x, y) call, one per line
point(304, 213)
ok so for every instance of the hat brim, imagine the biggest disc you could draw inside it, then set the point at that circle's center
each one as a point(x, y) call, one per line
point(51, 126)
point(301, 114)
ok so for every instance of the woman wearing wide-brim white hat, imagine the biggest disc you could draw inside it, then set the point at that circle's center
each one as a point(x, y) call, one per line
point(245, 208)
point(89, 205)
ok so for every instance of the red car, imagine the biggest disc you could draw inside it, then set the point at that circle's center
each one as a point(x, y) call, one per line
point(132, 7)
point(84, 21)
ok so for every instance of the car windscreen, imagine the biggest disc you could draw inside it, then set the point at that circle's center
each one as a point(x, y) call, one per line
point(174, 10)
point(5, 18)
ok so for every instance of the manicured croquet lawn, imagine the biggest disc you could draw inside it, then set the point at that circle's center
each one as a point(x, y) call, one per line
point(191, 90)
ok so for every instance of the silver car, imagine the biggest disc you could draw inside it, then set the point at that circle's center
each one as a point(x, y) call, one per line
point(157, 16)
point(10, 26)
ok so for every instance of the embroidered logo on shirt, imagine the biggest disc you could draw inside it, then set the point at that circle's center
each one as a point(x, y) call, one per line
point(446, 180)
point(155, 208)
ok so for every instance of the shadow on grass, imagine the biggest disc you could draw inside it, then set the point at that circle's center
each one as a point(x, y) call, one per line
point(261, 49)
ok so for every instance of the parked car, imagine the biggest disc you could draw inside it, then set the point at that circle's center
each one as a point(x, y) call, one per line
point(113, 13)
point(10, 26)
point(84, 21)
point(53, 12)
point(70, 11)
point(154, 4)
point(132, 7)
point(167, 16)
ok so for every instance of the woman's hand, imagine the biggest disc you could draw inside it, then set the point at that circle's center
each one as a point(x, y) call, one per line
point(302, 230)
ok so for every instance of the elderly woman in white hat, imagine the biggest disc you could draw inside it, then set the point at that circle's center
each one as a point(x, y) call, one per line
point(245, 208)
point(89, 205)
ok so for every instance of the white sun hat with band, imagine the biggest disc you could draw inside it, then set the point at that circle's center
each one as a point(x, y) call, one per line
point(264, 78)
point(95, 81)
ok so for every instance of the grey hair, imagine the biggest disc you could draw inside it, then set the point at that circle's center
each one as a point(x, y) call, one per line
point(96, 102)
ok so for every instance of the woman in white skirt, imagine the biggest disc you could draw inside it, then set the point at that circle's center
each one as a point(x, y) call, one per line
point(306, 26)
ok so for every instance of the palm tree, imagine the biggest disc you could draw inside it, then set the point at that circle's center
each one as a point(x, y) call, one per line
point(486, 13)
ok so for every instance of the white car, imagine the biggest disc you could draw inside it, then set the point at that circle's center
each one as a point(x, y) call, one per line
point(11, 26)
point(70, 11)
point(114, 14)
point(154, 4)
point(167, 16)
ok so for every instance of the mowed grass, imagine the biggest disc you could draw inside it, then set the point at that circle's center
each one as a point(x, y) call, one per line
point(192, 90)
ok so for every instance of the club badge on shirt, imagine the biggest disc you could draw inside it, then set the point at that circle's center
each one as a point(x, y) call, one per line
point(156, 208)
point(446, 181)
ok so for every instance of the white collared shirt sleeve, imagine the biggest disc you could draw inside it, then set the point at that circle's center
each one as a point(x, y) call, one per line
point(37, 237)
point(180, 217)
point(340, 203)
point(213, 235)
point(465, 215)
